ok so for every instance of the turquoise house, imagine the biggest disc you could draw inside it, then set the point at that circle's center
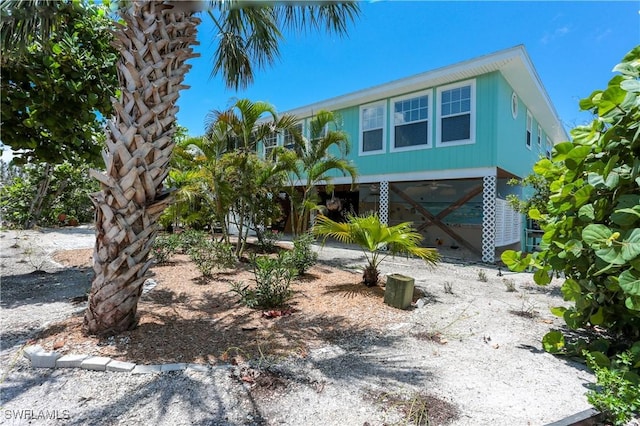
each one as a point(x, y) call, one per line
point(438, 149)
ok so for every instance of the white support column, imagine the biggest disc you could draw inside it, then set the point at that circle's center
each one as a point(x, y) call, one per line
point(384, 202)
point(489, 194)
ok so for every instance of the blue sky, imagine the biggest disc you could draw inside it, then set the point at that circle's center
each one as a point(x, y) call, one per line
point(573, 46)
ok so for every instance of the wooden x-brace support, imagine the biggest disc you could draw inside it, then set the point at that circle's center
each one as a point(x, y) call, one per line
point(437, 220)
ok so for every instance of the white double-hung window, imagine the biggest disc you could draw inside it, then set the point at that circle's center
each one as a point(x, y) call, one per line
point(372, 128)
point(270, 142)
point(456, 114)
point(410, 122)
point(289, 140)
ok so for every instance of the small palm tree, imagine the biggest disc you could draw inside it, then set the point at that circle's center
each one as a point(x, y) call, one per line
point(373, 237)
point(314, 161)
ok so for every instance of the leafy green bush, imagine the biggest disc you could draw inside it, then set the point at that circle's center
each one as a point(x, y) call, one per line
point(15, 199)
point(67, 192)
point(164, 247)
point(267, 241)
point(209, 255)
point(591, 219)
point(302, 257)
point(617, 394)
point(590, 215)
point(191, 238)
point(273, 277)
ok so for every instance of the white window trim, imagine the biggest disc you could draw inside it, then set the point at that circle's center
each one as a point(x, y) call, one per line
point(528, 130)
point(384, 128)
point(548, 148)
point(281, 136)
point(429, 119)
point(472, 118)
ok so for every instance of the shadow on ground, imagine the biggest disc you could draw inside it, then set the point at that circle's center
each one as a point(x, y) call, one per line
point(200, 398)
point(41, 287)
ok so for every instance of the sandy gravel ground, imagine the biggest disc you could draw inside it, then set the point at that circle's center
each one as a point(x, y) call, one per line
point(480, 353)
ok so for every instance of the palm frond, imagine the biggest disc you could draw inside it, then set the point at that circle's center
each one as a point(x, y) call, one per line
point(249, 32)
point(23, 21)
point(248, 36)
point(328, 228)
point(331, 16)
point(319, 171)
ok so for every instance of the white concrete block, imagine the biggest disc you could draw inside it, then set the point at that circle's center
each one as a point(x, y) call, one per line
point(44, 359)
point(145, 369)
point(28, 351)
point(70, 361)
point(97, 363)
point(198, 367)
point(120, 366)
point(173, 367)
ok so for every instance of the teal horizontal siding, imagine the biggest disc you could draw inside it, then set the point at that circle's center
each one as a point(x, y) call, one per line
point(499, 139)
point(512, 152)
point(480, 154)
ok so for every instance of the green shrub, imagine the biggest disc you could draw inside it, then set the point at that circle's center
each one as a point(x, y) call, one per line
point(589, 211)
point(15, 200)
point(591, 216)
point(267, 241)
point(302, 257)
point(209, 255)
point(67, 194)
point(164, 247)
point(617, 392)
point(192, 238)
point(273, 277)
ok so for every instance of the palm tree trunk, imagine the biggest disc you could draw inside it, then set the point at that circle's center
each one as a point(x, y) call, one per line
point(154, 44)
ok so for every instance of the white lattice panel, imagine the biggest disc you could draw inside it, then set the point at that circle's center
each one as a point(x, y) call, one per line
point(489, 218)
point(508, 225)
point(384, 202)
point(384, 206)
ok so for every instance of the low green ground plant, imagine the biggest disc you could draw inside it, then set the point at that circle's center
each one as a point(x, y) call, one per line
point(377, 241)
point(191, 238)
point(273, 276)
point(509, 285)
point(617, 390)
point(209, 255)
point(165, 246)
point(267, 241)
point(302, 257)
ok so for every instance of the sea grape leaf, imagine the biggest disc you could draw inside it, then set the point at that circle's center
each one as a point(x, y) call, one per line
point(629, 282)
point(553, 342)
